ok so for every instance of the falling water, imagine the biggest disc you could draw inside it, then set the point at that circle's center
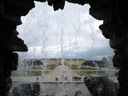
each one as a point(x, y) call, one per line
point(44, 43)
point(70, 45)
point(61, 45)
point(70, 49)
point(74, 42)
point(34, 49)
point(91, 26)
point(77, 37)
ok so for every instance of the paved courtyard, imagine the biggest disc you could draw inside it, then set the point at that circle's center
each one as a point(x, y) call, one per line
point(60, 74)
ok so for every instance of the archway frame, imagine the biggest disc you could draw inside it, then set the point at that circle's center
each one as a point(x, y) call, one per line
point(113, 13)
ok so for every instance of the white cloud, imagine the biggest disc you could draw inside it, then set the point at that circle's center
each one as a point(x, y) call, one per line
point(43, 28)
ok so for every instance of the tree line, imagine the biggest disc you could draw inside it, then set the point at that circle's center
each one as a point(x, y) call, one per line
point(97, 63)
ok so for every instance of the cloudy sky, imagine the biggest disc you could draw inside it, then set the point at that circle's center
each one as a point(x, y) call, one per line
point(68, 33)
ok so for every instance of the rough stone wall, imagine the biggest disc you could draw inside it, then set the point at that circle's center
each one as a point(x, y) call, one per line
point(10, 12)
point(114, 27)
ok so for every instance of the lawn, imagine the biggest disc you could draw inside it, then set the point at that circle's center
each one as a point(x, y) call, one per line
point(39, 73)
point(46, 72)
point(51, 67)
point(85, 73)
point(102, 73)
point(34, 73)
point(74, 67)
point(26, 73)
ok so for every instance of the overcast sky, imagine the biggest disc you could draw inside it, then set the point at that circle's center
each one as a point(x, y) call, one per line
point(68, 33)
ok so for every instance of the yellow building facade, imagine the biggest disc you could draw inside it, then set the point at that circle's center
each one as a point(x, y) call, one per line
point(64, 61)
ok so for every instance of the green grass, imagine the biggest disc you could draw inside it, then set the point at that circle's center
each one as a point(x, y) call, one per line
point(51, 67)
point(85, 73)
point(36, 67)
point(19, 74)
point(30, 73)
point(34, 73)
point(74, 67)
point(46, 72)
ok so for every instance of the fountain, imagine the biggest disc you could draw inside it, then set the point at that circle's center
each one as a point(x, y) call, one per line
point(62, 84)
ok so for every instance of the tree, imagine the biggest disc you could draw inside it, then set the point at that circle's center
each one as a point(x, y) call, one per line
point(94, 63)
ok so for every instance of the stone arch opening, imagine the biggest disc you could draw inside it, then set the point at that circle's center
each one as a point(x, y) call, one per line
point(113, 13)
point(29, 20)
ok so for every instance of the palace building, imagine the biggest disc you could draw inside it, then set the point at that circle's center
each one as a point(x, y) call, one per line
point(65, 61)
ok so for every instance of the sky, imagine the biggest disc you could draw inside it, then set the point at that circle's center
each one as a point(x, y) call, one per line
point(68, 33)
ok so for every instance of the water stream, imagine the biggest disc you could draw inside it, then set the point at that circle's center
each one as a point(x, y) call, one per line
point(62, 36)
